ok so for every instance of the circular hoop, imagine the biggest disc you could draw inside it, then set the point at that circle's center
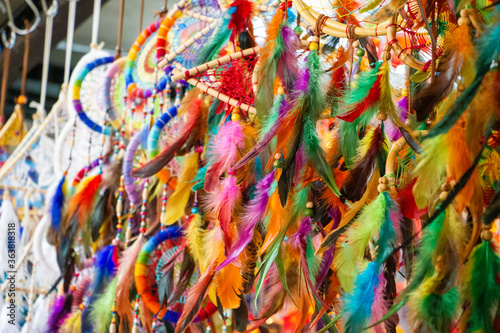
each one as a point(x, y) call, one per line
point(113, 115)
point(142, 283)
point(76, 94)
point(154, 134)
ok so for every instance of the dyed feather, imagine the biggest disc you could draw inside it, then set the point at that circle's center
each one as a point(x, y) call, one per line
point(480, 287)
point(386, 103)
point(177, 202)
point(80, 205)
point(248, 269)
point(224, 153)
point(254, 213)
point(457, 59)
point(73, 323)
point(125, 276)
point(219, 38)
point(100, 312)
point(100, 214)
point(370, 155)
point(194, 237)
point(380, 304)
point(192, 109)
point(61, 309)
point(365, 96)
point(228, 285)
point(387, 11)
point(57, 205)
point(240, 18)
point(488, 48)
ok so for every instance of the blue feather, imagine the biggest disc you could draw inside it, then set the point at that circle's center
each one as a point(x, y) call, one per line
point(358, 304)
point(57, 205)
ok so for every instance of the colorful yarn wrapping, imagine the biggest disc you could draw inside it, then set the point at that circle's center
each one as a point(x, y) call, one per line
point(128, 164)
point(76, 94)
point(154, 134)
point(132, 88)
point(161, 39)
point(79, 176)
point(141, 280)
point(111, 73)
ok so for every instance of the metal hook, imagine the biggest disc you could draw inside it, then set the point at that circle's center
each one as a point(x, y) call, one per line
point(11, 18)
point(9, 43)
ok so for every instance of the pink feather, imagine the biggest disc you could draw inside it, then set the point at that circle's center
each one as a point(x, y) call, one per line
point(222, 204)
point(380, 306)
point(225, 152)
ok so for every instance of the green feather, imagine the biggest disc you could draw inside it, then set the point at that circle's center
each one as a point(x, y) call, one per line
point(482, 289)
point(100, 312)
point(436, 311)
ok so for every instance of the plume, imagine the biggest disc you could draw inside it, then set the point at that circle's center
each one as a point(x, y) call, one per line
point(194, 237)
point(100, 214)
point(73, 323)
point(125, 276)
point(254, 213)
point(370, 155)
point(57, 205)
point(387, 11)
point(177, 202)
point(480, 287)
point(488, 49)
point(248, 269)
point(80, 205)
point(457, 59)
point(100, 312)
point(60, 310)
point(365, 97)
point(225, 152)
point(228, 285)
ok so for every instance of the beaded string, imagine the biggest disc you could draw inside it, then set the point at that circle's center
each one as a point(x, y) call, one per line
point(136, 315)
point(163, 206)
point(87, 169)
point(167, 102)
point(128, 233)
point(72, 145)
point(103, 141)
point(153, 326)
point(145, 194)
point(178, 94)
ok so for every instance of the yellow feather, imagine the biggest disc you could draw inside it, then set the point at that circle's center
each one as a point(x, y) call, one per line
point(178, 200)
point(72, 324)
point(194, 236)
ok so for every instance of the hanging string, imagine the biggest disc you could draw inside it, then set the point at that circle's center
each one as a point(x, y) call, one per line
point(46, 53)
point(120, 30)
point(95, 22)
point(69, 40)
point(142, 17)
point(5, 77)
point(22, 97)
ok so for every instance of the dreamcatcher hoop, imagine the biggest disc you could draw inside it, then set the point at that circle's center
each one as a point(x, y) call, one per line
point(141, 280)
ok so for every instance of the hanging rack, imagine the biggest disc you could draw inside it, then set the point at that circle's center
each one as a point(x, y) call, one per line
point(13, 26)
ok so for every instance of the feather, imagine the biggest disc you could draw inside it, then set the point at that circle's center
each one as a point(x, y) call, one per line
point(254, 213)
point(430, 170)
point(194, 236)
point(370, 155)
point(240, 315)
point(248, 269)
point(60, 310)
point(379, 306)
point(218, 39)
point(224, 152)
point(240, 18)
point(488, 48)
point(100, 309)
point(392, 131)
point(125, 278)
point(72, 323)
point(177, 202)
point(387, 11)
point(100, 214)
point(459, 53)
point(80, 205)
point(228, 285)
point(358, 305)
point(365, 96)
point(277, 61)
point(336, 88)
point(195, 298)
point(386, 103)
point(481, 288)
point(185, 273)
point(192, 110)
point(57, 206)
point(222, 204)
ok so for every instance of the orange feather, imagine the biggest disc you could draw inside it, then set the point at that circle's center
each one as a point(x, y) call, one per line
point(275, 222)
point(82, 202)
point(228, 285)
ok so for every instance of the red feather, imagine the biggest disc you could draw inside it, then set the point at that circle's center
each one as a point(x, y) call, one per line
point(240, 19)
point(82, 202)
point(407, 204)
point(363, 105)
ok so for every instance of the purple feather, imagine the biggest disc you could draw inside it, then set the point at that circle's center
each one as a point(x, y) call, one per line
point(254, 212)
point(301, 85)
point(61, 309)
point(325, 266)
point(392, 130)
point(299, 238)
point(287, 64)
point(300, 162)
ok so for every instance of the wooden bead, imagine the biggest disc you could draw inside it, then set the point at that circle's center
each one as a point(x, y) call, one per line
point(309, 205)
point(408, 122)
point(313, 46)
point(381, 116)
point(235, 117)
point(355, 44)
point(461, 87)
point(487, 226)
point(464, 13)
point(445, 187)
point(486, 235)
point(382, 188)
point(277, 156)
point(404, 92)
point(443, 195)
point(385, 55)
point(281, 91)
point(383, 180)
point(463, 21)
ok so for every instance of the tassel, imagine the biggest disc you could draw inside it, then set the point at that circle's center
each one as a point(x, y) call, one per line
point(370, 155)
point(177, 202)
point(481, 288)
point(254, 213)
point(125, 278)
point(457, 59)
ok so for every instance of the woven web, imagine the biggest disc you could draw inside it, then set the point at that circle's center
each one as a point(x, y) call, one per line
point(233, 79)
point(209, 8)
